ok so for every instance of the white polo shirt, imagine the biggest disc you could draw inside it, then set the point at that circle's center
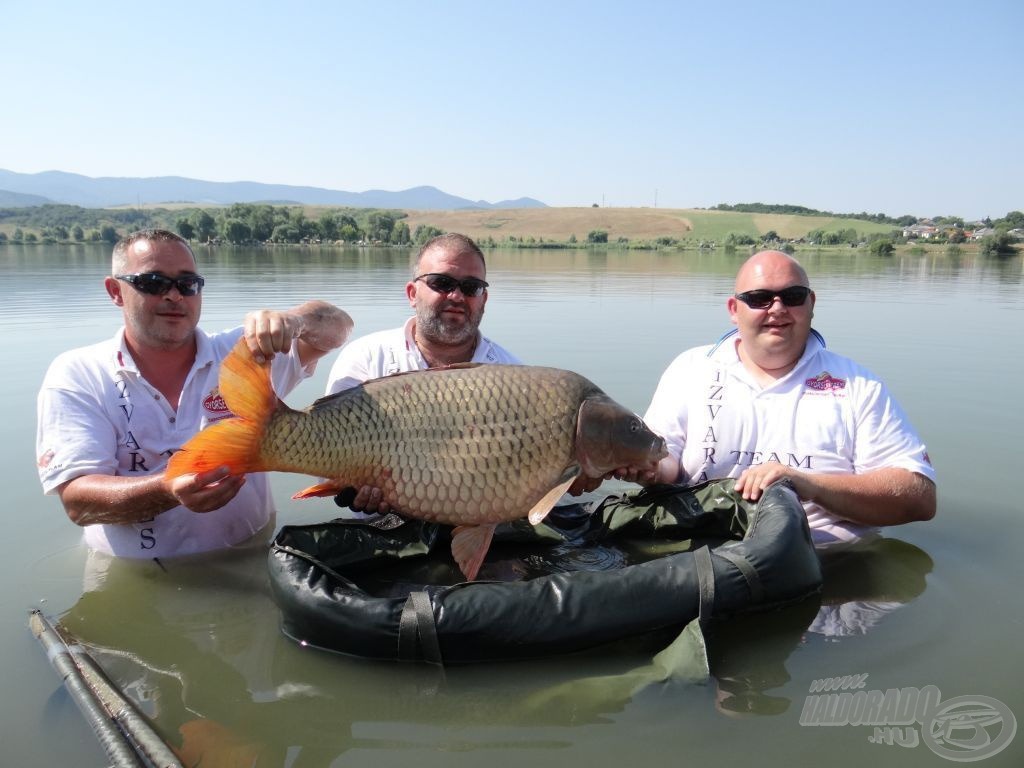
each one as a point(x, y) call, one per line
point(827, 415)
point(97, 415)
point(394, 351)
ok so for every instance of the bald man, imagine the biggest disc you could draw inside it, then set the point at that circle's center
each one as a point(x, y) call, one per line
point(770, 402)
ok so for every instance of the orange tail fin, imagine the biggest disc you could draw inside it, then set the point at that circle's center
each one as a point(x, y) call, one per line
point(235, 443)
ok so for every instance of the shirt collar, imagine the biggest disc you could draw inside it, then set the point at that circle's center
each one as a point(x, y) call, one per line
point(480, 354)
point(124, 361)
point(724, 349)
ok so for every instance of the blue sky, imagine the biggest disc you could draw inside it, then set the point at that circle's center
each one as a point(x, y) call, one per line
point(899, 107)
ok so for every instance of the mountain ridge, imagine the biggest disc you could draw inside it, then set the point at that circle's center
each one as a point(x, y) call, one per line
point(114, 191)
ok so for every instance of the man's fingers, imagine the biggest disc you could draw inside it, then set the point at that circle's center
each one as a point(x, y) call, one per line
point(370, 499)
point(207, 491)
point(268, 332)
point(211, 476)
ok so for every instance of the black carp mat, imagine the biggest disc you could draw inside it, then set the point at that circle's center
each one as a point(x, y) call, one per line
point(590, 574)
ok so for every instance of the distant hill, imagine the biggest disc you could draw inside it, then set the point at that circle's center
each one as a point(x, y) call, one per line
point(110, 192)
point(20, 200)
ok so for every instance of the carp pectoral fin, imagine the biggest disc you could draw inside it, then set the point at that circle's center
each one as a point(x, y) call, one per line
point(541, 508)
point(469, 545)
point(320, 489)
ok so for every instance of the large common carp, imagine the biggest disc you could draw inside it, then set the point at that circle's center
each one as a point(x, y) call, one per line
point(470, 445)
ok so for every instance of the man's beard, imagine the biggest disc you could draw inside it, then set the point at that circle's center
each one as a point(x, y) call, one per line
point(433, 326)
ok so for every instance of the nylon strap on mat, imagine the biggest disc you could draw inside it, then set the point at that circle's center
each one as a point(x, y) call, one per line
point(417, 634)
point(749, 573)
point(706, 579)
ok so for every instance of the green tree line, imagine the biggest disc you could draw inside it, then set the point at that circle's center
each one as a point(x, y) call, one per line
point(880, 218)
point(1012, 220)
point(241, 223)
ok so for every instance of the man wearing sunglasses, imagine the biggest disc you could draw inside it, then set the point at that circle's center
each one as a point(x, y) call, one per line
point(447, 292)
point(110, 415)
point(770, 402)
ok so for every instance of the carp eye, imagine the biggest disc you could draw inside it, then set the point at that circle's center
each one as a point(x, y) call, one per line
point(634, 425)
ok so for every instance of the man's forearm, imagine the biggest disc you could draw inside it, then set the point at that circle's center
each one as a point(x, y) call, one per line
point(106, 499)
point(882, 497)
point(324, 327)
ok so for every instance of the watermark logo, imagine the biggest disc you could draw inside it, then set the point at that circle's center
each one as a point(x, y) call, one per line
point(963, 729)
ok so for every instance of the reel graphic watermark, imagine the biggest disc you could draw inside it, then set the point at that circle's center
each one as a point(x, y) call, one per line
point(962, 729)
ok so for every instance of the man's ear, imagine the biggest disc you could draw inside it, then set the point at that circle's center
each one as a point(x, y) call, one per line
point(410, 292)
point(113, 287)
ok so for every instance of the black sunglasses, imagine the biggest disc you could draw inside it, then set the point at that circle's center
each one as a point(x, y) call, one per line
point(156, 284)
point(762, 298)
point(470, 287)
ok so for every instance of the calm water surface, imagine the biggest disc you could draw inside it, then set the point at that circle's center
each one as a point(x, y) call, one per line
point(197, 644)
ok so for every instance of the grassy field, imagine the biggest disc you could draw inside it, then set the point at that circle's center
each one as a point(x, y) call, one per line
point(633, 223)
point(559, 223)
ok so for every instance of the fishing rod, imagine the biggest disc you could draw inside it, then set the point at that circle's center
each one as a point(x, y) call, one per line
point(125, 735)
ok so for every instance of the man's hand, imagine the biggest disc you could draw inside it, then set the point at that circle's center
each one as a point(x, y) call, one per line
point(752, 483)
point(584, 484)
point(367, 499)
point(638, 475)
point(268, 332)
point(206, 491)
point(315, 327)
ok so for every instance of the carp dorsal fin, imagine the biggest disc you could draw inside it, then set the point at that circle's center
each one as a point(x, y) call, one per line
point(541, 508)
point(434, 369)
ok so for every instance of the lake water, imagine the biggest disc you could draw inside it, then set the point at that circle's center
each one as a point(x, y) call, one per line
point(197, 643)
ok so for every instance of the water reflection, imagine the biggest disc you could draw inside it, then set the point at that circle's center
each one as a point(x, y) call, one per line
point(747, 656)
point(862, 585)
point(195, 642)
point(19, 258)
point(189, 640)
point(866, 583)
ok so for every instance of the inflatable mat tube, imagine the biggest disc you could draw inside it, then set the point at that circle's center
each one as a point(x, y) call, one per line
point(318, 573)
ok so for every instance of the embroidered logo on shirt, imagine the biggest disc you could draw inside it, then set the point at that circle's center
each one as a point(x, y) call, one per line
point(44, 461)
point(825, 382)
point(215, 404)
